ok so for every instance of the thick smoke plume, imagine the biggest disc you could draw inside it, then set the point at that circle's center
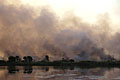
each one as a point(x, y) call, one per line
point(24, 31)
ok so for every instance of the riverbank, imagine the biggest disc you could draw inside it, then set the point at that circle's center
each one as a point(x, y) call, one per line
point(84, 64)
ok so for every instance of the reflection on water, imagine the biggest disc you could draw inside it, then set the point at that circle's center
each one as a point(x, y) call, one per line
point(12, 69)
point(28, 69)
point(57, 73)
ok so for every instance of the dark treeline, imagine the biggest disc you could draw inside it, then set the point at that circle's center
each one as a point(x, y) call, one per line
point(28, 61)
point(17, 59)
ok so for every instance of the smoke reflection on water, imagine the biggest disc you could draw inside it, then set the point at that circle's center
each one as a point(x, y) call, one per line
point(58, 73)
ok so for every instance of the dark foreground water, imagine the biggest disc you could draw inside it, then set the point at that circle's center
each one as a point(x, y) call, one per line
point(58, 73)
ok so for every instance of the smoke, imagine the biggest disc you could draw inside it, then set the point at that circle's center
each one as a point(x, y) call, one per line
point(23, 34)
point(25, 31)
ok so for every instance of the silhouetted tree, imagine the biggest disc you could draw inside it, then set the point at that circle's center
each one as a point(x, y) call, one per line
point(72, 60)
point(46, 59)
point(11, 59)
point(63, 60)
point(18, 59)
point(27, 59)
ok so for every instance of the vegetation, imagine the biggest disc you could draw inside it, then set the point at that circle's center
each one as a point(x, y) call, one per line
point(46, 59)
point(28, 61)
point(12, 59)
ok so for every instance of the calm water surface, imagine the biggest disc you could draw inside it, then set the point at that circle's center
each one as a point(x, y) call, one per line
point(58, 73)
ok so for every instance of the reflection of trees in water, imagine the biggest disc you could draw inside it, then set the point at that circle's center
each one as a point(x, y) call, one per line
point(61, 72)
point(28, 69)
point(46, 68)
point(64, 67)
point(13, 69)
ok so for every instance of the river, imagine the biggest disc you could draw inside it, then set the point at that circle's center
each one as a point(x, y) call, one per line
point(58, 73)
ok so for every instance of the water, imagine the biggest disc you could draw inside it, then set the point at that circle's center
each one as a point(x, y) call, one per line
point(58, 73)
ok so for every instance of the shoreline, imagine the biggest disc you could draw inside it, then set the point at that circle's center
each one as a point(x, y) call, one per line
point(84, 64)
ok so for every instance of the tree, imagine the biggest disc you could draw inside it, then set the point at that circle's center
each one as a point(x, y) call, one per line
point(18, 59)
point(27, 58)
point(72, 60)
point(47, 58)
point(11, 59)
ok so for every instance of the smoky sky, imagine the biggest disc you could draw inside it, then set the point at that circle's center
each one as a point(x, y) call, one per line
point(23, 32)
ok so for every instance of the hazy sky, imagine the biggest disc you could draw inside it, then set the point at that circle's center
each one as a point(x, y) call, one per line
point(88, 9)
